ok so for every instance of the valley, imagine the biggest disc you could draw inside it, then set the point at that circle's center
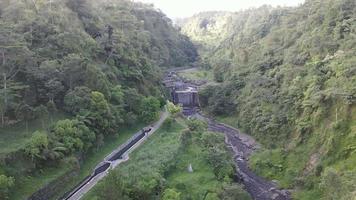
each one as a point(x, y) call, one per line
point(241, 145)
point(120, 99)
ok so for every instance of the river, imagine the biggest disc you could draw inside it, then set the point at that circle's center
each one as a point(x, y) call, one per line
point(241, 146)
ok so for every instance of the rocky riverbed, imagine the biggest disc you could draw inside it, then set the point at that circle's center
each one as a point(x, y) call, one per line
point(241, 145)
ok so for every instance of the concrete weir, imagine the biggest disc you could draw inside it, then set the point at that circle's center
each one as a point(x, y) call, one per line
point(182, 93)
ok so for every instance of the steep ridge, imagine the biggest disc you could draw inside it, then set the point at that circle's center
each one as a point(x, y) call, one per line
point(242, 147)
point(74, 75)
point(287, 77)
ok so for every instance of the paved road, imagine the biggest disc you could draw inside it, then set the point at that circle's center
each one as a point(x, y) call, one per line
point(86, 188)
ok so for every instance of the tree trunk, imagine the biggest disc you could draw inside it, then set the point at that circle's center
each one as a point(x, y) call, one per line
point(35, 5)
point(2, 119)
point(3, 58)
point(70, 81)
point(26, 126)
point(5, 78)
point(5, 91)
point(43, 124)
point(31, 40)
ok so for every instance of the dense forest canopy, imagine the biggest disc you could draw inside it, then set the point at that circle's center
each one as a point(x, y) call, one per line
point(50, 47)
point(287, 76)
point(99, 62)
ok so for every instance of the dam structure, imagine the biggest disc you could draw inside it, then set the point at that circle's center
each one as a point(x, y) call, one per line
point(182, 93)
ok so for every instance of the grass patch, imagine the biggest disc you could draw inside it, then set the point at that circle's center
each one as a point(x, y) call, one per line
point(197, 74)
point(96, 156)
point(194, 185)
point(229, 120)
point(149, 159)
point(15, 137)
point(28, 185)
point(161, 164)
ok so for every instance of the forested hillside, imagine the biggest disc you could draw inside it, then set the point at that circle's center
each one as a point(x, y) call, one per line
point(77, 71)
point(207, 30)
point(288, 77)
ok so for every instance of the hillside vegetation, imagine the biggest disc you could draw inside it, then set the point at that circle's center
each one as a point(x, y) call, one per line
point(159, 169)
point(74, 73)
point(288, 77)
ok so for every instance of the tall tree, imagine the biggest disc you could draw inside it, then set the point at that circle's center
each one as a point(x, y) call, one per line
point(13, 55)
point(25, 112)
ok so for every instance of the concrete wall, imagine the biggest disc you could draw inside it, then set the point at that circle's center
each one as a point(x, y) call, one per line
point(187, 99)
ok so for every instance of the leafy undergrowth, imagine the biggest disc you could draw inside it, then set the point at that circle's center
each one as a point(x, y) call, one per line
point(317, 165)
point(194, 185)
point(197, 75)
point(14, 137)
point(144, 167)
point(27, 185)
point(159, 169)
point(321, 165)
point(97, 155)
point(229, 120)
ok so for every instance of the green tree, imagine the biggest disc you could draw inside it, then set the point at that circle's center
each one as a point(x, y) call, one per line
point(5, 184)
point(233, 192)
point(132, 100)
point(77, 100)
point(117, 95)
point(197, 125)
point(10, 95)
point(100, 115)
point(75, 67)
point(173, 109)
point(332, 184)
point(37, 145)
point(42, 113)
point(51, 107)
point(13, 55)
point(2, 109)
point(170, 194)
point(150, 107)
point(74, 135)
point(25, 112)
point(212, 196)
point(117, 104)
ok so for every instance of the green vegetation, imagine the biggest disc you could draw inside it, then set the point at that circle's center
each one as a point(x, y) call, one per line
point(13, 138)
point(30, 184)
point(27, 185)
point(98, 63)
point(287, 77)
point(5, 184)
point(209, 29)
point(159, 168)
point(197, 75)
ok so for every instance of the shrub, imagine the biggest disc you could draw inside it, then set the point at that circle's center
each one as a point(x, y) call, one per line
point(74, 135)
point(5, 184)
